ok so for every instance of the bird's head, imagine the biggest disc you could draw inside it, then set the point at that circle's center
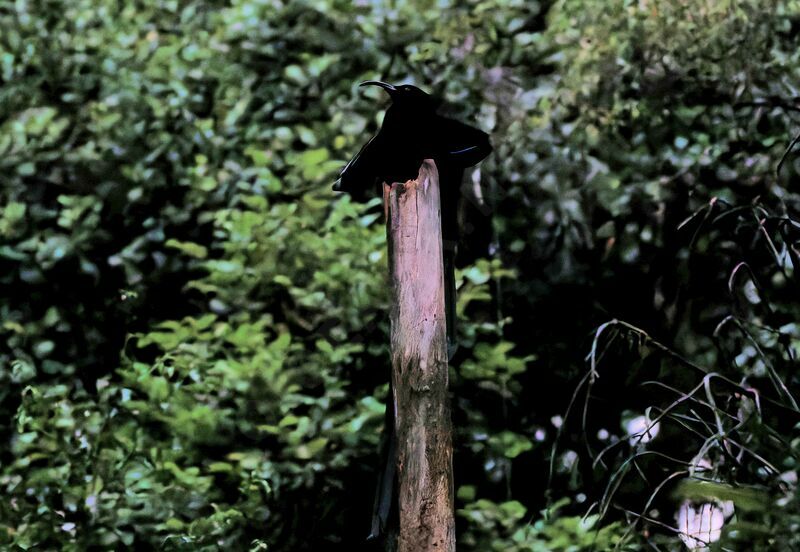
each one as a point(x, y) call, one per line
point(405, 95)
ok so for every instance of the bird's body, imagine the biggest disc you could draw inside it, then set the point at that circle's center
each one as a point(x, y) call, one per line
point(411, 132)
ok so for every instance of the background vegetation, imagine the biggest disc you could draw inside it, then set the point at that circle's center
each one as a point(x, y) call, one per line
point(193, 351)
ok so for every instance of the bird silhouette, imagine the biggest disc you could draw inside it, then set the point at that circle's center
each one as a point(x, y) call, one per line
point(411, 132)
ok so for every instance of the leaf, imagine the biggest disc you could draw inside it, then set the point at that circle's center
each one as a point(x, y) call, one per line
point(745, 498)
point(192, 249)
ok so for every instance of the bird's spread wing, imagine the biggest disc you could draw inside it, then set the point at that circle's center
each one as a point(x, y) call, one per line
point(358, 176)
point(460, 144)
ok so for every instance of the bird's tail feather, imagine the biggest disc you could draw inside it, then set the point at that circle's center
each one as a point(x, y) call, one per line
point(384, 493)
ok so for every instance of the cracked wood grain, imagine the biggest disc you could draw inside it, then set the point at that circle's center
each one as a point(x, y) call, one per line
point(419, 364)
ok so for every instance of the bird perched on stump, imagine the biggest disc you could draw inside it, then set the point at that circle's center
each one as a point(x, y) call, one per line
point(411, 132)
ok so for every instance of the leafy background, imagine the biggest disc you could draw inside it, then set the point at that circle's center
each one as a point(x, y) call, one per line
point(193, 351)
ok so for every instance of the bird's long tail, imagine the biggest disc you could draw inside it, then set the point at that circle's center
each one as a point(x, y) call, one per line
point(384, 493)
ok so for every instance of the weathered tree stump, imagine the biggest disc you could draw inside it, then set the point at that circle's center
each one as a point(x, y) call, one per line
point(419, 364)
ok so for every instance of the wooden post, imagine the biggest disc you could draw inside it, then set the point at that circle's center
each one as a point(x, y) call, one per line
point(419, 364)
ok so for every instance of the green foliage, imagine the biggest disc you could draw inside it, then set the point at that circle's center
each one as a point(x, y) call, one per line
point(502, 527)
point(193, 350)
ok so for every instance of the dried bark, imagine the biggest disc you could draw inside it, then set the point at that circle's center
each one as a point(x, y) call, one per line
point(419, 364)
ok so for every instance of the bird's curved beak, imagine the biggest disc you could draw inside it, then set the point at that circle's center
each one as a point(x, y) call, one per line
point(385, 85)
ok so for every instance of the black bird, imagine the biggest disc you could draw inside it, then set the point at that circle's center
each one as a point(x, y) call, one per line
point(411, 132)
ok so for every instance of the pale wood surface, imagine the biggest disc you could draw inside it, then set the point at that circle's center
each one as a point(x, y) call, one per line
point(419, 364)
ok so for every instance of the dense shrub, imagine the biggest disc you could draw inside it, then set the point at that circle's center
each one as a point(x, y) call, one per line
point(193, 349)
